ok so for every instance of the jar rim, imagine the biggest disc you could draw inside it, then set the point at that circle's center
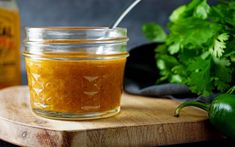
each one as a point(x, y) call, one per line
point(59, 28)
point(92, 40)
point(74, 35)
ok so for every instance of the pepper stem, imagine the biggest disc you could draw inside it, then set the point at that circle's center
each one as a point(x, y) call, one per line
point(231, 90)
point(187, 104)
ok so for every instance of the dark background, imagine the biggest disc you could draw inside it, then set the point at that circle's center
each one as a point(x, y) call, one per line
point(96, 13)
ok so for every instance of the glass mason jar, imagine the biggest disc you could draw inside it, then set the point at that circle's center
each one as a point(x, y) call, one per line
point(75, 72)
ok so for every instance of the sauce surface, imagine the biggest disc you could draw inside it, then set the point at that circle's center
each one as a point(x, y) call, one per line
point(75, 86)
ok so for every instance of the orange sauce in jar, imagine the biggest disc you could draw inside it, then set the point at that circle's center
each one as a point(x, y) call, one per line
point(75, 86)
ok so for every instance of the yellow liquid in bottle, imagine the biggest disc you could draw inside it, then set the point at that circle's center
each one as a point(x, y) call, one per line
point(9, 48)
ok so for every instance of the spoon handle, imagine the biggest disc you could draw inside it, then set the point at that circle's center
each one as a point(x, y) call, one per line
point(125, 13)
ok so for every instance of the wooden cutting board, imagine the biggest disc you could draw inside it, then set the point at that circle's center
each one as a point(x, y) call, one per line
point(142, 122)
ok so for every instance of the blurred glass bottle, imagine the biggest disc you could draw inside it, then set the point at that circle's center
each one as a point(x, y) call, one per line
point(10, 73)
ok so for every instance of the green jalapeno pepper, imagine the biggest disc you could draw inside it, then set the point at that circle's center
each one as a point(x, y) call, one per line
point(221, 113)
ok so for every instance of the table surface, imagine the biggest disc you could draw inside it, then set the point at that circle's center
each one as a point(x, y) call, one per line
point(137, 114)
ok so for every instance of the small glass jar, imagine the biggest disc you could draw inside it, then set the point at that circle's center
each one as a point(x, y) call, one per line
point(75, 73)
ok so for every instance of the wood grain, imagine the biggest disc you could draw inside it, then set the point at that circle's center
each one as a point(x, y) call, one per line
point(142, 122)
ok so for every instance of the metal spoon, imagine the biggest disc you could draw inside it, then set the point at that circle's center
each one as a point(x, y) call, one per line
point(125, 13)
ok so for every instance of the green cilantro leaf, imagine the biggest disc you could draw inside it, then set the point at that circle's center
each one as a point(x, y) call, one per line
point(219, 45)
point(177, 14)
point(165, 63)
point(197, 8)
point(191, 33)
point(154, 32)
point(223, 73)
point(202, 10)
point(199, 78)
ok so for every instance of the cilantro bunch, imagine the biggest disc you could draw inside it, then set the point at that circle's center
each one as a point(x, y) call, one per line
point(199, 50)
